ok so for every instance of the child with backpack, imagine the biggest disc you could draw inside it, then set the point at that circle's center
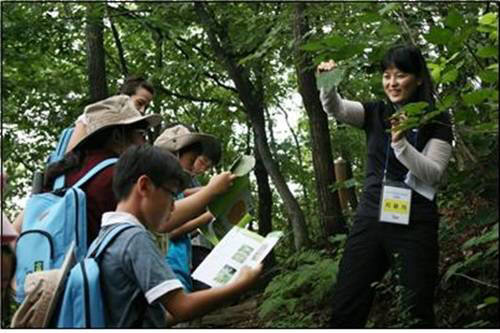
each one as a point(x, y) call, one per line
point(141, 93)
point(188, 145)
point(113, 125)
point(82, 179)
point(137, 285)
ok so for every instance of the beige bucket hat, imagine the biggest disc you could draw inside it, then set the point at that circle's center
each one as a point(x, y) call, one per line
point(113, 111)
point(177, 137)
point(43, 290)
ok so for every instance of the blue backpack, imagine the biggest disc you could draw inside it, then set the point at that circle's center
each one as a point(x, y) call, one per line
point(62, 145)
point(82, 304)
point(51, 222)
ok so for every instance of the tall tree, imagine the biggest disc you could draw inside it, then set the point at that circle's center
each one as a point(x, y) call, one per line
point(330, 212)
point(252, 99)
point(96, 63)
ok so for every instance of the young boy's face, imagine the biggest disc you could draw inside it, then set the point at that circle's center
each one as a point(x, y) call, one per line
point(187, 160)
point(201, 164)
point(160, 205)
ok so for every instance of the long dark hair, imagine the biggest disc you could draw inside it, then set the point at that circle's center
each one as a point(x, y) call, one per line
point(120, 134)
point(409, 59)
point(133, 83)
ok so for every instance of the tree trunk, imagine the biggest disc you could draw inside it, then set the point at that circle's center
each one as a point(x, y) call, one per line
point(96, 65)
point(330, 213)
point(265, 203)
point(252, 100)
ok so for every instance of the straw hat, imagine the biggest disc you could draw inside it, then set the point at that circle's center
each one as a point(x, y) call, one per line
point(179, 136)
point(43, 290)
point(113, 111)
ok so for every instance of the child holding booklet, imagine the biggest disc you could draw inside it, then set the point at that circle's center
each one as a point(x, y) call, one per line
point(138, 285)
point(188, 145)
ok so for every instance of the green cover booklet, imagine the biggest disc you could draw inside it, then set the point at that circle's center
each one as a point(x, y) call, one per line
point(232, 207)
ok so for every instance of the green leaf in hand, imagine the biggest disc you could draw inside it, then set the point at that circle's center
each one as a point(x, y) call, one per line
point(330, 79)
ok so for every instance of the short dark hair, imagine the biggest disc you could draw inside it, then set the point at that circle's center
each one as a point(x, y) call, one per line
point(160, 165)
point(213, 152)
point(409, 59)
point(196, 147)
point(133, 83)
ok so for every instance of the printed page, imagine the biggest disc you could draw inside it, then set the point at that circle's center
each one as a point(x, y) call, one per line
point(238, 248)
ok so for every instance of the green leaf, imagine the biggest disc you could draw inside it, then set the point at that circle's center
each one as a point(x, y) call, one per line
point(488, 19)
point(389, 29)
point(476, 97)
point(452, 270)
point(446, 102)
point(440, 36)
point(388, 8)
point(487, 52)
point(330, 79)
point(488, 301)
point(369, 17)
point(435, 71)
point(450, 76)
point(414, 109)
point(313, 46)
point(486, 128)
point(489, 236)
point(454, 19)
point(335, 41)
point(491, 300)
point(488, 76)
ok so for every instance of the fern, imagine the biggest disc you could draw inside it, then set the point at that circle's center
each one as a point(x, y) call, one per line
point(291, 298)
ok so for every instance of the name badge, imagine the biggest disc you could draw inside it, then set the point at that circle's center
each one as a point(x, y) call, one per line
point(395, 203)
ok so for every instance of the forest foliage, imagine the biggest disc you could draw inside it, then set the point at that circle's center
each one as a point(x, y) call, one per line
point(45, 86)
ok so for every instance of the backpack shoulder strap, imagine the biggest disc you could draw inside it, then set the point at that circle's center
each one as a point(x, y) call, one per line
point(100, 245)
point(62, 144)
point(96, 169)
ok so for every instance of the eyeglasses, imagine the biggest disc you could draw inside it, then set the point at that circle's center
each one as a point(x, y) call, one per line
point(141, 132)
point(168, 191)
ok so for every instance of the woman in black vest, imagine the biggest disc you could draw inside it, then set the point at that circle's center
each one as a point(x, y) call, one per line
point(397, 213)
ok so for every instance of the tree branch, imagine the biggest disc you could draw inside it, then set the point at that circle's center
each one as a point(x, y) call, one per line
point(476, 280)
point(402, 18)
point(473, 54)
point(220, 84)
point(119, 46)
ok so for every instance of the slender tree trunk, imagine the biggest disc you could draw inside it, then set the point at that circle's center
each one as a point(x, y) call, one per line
point(119, 47)
point(252, 100)
point(265, 203)
point(330, 212)
point(96, 64)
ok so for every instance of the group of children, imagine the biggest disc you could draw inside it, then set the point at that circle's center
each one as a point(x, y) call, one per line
point(154, 188)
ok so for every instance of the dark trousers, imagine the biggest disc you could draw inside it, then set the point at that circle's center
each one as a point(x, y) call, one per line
point(199, 253)
point(368, 254)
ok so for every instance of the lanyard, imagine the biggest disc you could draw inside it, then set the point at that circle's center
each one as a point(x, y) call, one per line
point(387, 154)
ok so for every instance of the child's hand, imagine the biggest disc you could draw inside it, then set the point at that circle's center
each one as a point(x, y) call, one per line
point(248, 275)
point(220, 183)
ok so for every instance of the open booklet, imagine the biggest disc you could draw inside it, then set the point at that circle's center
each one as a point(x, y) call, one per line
point(232, 207)
point(239, 247)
